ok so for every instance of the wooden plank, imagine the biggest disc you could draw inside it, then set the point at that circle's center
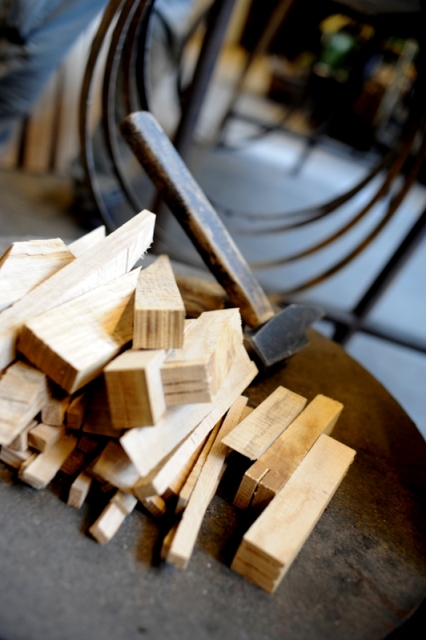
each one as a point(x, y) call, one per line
point(21, 442)
point(200, 295)
point(79, 490)
point(23, 393)
point(148, 447)
point(205, 487)
point(28, 263)
point(189, 485)
point(108, 260)
point(87, 242)
point(115, 466)
point(44, 468)
point(53, 413)
point(159, 309)
point(73, 342)
point(259, 430)
point(43, 436)
point(281, 459)
point(76, 410)
point(112, 517)
point(196, 372)
point(276, 537)
point(134, 387)
point(175, 487)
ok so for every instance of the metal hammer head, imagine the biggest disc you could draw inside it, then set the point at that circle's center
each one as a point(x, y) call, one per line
point(282, 336)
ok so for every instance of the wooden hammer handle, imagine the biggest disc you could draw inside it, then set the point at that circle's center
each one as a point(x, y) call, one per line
point(188, 203)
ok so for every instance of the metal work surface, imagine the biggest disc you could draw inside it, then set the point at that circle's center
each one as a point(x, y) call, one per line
point(360, 573)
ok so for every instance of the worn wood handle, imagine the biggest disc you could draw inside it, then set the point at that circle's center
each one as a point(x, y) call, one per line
point(189, 204)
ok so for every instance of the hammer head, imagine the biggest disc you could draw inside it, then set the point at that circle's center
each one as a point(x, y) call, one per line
point(282, 336)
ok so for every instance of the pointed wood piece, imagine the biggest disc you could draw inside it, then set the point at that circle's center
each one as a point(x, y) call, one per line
point(23, 393)
point(234, 414)
point(115, 466)
point(87, 242)
point(196, 372)
point(259, 430)
point(21, 442)
point(73, 342)
point(76, 410)
point(159, 309)
point(135, 389)
point(43, 436)
point(276, 537)
point(46, 465)
point(200, 295)
point(79, 490)
point(283, 457)
point(112, 517)
point(108, 260)
point(148, 447)
point(26, 264)
point(205, 487)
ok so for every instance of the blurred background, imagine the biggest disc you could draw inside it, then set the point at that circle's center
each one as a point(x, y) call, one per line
point(302, 121)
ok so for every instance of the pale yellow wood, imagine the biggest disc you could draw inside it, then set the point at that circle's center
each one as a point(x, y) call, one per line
point(79, 490)
point(44, 468)
point(23, 393)
point(73, 342)
point(200, 295)
point(115, 466)
point(286, 453)
point(167, 541)
point(98, 418)
point(53, 413)
point(26, 264)
point(148, 447)
point(76, 410)
point(135, 389)
point(43, 436)
point(276, 537)
point(124, 501)
point(175, 487)
point(205, 487)
point(21, 442)
point(14, 458)
point(108, 260)
point(196, 372)
point(87, 242)
point(111, 518)
point(159, 309)
point(234, 416)
point(259, 430)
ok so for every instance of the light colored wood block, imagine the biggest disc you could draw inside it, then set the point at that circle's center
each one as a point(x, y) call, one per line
point(21, 442)
point(176, 485)
point(186, 534)
point(73, 342)
point(276, 537)
point(43, 436)
point(26, 264)
point(200, 295)
point(14, 458)
point(23, 393)
point(46, 465)
point(108, 260)
point(235, 412)
point(53, 413)
point(196, 372)
point(283, 457)
point(112, 517)
point(79, 490)
point(115, 466)
point(265, 424)
point(147, 448)
point(159, 309)
point(134, 387)
point(76, 410)
point(87, 242)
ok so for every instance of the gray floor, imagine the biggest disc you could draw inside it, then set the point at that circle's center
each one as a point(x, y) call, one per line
point(258, 178)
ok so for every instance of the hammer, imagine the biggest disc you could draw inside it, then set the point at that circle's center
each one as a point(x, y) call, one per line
point(270, 337)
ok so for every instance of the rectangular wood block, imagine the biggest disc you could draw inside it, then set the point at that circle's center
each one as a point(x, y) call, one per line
point(276, 537)
point(46, 465)
point(159, 309)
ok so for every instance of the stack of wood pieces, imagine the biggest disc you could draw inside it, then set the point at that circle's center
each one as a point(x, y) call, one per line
point(108, 379)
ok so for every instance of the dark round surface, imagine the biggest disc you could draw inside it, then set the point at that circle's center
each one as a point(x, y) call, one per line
point(361, 572)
